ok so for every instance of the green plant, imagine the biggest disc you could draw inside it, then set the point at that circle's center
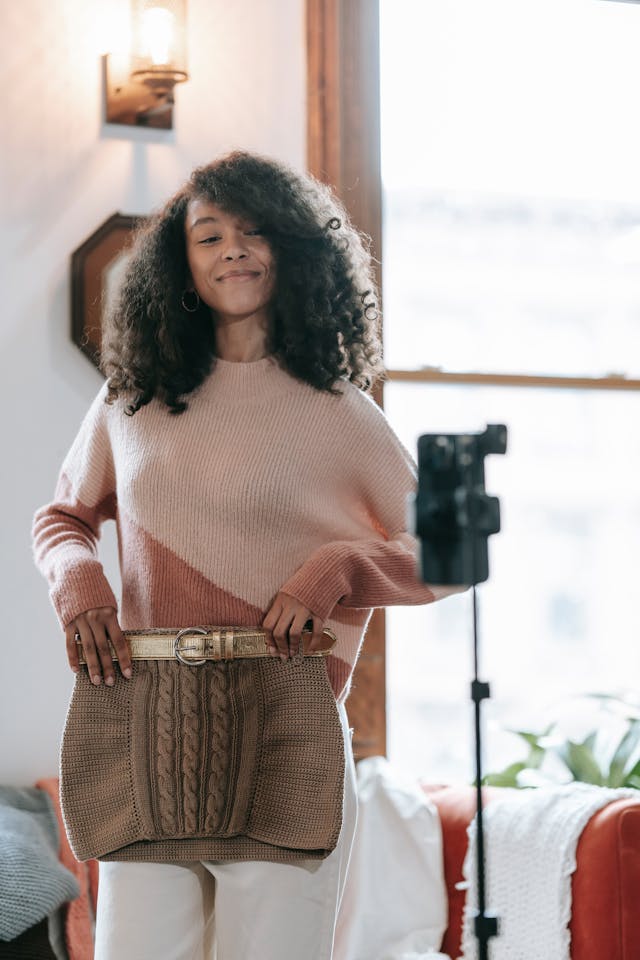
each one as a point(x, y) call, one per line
point(608, 756)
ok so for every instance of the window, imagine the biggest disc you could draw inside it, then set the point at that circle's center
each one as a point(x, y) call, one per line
point(511, 282)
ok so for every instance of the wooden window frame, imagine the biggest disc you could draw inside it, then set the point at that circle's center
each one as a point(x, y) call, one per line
point(343, 150)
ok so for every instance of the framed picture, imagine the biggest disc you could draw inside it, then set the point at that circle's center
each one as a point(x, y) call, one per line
point(97, 268)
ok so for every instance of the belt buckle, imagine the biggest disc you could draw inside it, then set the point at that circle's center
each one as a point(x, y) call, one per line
point(178, 649)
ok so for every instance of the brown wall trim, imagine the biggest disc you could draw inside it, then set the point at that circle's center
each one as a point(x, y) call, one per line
point(343, 108)
point(323, 91)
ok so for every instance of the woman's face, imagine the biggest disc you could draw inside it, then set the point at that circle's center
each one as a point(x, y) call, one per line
point(231, 263)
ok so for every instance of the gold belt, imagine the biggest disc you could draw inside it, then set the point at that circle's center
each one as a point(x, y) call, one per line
point(207, 643)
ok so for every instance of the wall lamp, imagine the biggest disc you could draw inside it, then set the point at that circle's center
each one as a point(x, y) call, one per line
point(139, 86)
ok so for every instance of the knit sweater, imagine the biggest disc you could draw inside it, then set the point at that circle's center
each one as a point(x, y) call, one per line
point(263, 484)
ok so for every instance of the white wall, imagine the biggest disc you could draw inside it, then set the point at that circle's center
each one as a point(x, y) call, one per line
point(61, 175)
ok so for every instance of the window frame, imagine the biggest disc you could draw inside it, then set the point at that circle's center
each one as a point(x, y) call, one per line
point(343, 150)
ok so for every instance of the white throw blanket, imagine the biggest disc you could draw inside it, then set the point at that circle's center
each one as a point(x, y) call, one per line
point(531, 838)
point(395, 901)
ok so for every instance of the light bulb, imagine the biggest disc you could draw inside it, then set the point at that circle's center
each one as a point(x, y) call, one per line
point(157, 32)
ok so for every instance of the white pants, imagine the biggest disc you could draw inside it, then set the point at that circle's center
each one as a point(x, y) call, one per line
point(226, 910)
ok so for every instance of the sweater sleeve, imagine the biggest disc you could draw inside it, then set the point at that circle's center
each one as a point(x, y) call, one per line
point(381, 570)
point(66, 531)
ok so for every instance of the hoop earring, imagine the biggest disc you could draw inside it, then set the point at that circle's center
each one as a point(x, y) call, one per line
point(185, 306)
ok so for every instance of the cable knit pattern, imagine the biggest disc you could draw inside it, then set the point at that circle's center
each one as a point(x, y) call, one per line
point(191, 744)
point(166, 747)
point(217, 756)
point(263, 484)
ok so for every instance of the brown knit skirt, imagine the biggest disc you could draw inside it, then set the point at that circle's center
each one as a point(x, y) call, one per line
point(239, 760)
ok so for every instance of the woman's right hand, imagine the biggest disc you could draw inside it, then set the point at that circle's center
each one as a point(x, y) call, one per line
point(94, 626)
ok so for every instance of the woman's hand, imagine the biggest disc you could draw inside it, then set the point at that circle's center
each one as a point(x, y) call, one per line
point(93, 627)
point(285, 619)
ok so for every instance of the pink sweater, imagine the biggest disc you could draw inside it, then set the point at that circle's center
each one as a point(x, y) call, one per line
point(263, 484)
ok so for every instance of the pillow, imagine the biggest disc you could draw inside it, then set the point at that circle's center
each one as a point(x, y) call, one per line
point(395, 899)
point(33, 882)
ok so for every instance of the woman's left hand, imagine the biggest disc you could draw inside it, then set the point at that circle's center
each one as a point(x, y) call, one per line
point(285, 619)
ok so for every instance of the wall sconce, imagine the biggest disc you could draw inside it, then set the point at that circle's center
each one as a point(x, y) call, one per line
point(139, 86)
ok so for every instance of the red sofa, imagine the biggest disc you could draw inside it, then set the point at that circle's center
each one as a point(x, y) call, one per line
point(605, 887)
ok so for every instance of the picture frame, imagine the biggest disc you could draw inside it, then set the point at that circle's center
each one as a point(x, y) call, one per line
point(97, 267)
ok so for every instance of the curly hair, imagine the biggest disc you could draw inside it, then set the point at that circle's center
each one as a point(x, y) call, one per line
point(325, 321)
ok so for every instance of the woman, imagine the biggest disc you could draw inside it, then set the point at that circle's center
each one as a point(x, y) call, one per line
point(254, 482)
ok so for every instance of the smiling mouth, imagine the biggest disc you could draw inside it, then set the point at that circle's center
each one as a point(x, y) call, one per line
point(240, 276)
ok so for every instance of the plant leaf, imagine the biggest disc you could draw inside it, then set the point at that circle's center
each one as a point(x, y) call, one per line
point(535, 757)
point(530, 737)
point(629, 708)
point(505, 778)
point(580, 761)
point(632, 778)
point(623, 752)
